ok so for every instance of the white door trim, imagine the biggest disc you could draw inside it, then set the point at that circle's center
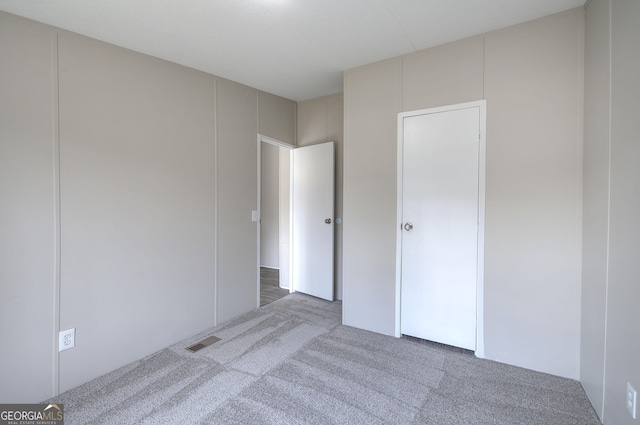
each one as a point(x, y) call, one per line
point(482, 105)
point(272, 141)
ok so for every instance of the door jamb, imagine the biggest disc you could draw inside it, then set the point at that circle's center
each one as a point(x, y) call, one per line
point(275, 142)
point(482, 160)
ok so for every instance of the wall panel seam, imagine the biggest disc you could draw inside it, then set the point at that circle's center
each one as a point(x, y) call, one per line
point(215, 201)
point(57, 211)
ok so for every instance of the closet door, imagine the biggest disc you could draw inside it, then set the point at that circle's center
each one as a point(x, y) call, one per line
point(440, 184)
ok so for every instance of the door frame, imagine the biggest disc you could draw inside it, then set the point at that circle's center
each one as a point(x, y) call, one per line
point(482, 159)
point(266, 139)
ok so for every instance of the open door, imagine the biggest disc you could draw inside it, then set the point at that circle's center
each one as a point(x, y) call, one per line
point(313, 210)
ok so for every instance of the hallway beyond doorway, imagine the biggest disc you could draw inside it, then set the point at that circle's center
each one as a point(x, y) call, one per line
point(270, 289)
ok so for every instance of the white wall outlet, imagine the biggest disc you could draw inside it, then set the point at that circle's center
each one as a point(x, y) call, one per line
point(632, 397)
point(255, 215)
point(67, 339)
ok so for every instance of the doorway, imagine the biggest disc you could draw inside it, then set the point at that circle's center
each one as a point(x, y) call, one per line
point(274, 219)
point(441, 224)
point(305, 216)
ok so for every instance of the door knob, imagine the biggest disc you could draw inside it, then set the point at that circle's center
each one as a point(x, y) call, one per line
point(408, 227)
point(327, 220)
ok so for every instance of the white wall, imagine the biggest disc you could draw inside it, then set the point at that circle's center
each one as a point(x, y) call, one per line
point(321, 120)
point(623, 314)
point(28, 211)
point(137, 176)
point(610, 315)
point(623, 286)
point(533, 86)
point(284, 191)
point(277, 117)
point(372, 100)
point(531, 77)
point(269, 205)
point(237, 192)
point(446, 84)
point(595, 199)
point(146, 237)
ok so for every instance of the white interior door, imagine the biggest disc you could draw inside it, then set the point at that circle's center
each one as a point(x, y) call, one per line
point(313, 209)
point(440, 187)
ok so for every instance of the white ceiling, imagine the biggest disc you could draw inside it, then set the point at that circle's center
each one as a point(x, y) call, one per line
point(297, 49)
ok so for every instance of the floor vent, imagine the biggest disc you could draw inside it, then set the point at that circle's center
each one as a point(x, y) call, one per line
point(204, 343)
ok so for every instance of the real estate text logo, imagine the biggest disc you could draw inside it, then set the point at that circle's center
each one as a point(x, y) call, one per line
point(31, 414)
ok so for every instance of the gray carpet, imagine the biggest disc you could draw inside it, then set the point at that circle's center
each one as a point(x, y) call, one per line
point(291, 362)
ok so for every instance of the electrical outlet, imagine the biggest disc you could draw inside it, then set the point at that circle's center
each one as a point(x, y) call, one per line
point(631, 400)
point(67, 339)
